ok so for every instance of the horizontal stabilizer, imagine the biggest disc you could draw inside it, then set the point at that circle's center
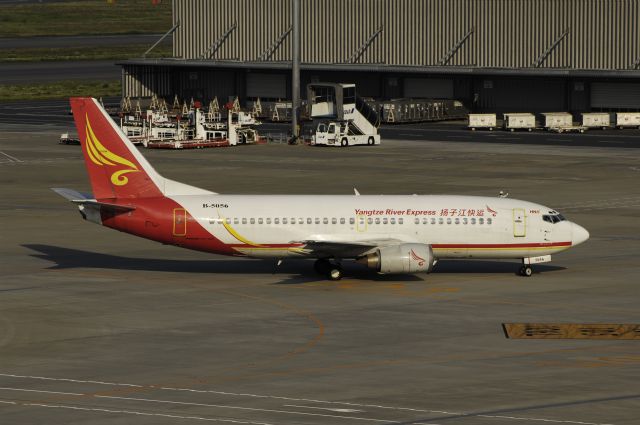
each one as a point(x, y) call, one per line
point(87, 199)
point(71, 195)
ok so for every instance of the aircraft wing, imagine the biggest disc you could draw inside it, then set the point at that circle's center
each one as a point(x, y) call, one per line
point(345, 249)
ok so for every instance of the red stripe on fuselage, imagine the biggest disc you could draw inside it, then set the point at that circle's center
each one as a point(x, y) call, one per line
point(513, 245)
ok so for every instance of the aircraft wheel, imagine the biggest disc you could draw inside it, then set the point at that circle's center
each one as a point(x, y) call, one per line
point(335, 272)
point(344, 142)
point(526, 271)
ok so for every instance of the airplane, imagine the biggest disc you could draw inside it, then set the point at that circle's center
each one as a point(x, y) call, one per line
point(388, 234)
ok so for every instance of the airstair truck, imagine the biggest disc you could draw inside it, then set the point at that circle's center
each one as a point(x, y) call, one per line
point(342, 118)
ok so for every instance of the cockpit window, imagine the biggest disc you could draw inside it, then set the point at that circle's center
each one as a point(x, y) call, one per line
point(553, 218)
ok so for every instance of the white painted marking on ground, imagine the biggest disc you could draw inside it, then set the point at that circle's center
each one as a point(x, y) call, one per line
point(8, 402)
point(342, 403)
point(44, 378)
point(38, 391)
point(539, 420)
point(11, 158)
point(133, 412)
point(223, 406)
point(333, 409)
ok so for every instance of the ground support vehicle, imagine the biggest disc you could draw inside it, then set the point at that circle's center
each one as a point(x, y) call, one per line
point(480, 121)
point(627, 119)
point(342, 118)
point(519, 121)
point(596, 120)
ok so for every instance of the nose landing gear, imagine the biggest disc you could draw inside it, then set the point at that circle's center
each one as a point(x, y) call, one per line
point(526, 271)
point(329, 269)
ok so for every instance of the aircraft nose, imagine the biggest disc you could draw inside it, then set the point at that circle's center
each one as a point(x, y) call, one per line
point(579, 234)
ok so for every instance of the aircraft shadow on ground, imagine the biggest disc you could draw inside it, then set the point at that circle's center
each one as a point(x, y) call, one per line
point(69, 258)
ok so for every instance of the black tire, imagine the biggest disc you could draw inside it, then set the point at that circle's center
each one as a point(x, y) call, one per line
point(344, 142)
point(526, 271)
point(371, 141)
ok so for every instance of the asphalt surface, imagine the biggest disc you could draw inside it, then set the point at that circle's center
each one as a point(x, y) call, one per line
point(79, 41)
point(41, 72)
point(101, 327)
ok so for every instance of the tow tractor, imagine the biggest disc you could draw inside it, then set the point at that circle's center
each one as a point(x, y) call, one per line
point(343, 119)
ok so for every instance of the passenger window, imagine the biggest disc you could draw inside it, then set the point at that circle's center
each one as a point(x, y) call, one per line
point(235, 221)
point(293, 220)
point(392, 220)
point(448, 220)
point(276, 221)
point(309, 221)
point(440, 220)
point(252, 221)
point(227, 220)
point(489, 221)
point(369, 220)
point(352, 220)
point(400, 220)
point(433, 220)
point(473, 221)
point(268, 221)
point(385, 220)
point(464, 220)
point(301, 220)
point(284, 220)
point(244, 221)
point(361, 220)
point(425, 220)
point(341, 220)
point(377, 220)
point(481, 220)
point(317, 220)
point(334, 220)
point(260, 221)
point(417, 220)
point(325, 220)
point(457, 220)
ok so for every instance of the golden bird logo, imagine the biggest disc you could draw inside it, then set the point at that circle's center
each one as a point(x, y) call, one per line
point(102, 156)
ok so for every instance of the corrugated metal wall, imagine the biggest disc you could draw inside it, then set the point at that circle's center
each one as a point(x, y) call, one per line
point(603, 34)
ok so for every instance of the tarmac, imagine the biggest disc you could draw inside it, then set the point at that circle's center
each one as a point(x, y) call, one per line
point(101, 327)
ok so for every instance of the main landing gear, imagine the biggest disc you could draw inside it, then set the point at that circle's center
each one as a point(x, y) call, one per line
point(329, 269)
point(526, 270)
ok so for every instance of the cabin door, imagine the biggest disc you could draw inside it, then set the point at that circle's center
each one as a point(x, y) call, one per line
point(519, 223)
point(179, 222)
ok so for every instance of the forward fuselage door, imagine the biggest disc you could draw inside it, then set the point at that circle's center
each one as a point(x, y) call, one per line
point(519, 223)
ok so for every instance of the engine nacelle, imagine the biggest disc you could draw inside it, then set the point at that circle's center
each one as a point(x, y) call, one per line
point(405, 258)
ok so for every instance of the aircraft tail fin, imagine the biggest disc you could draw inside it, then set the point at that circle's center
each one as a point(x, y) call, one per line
point(116, 168)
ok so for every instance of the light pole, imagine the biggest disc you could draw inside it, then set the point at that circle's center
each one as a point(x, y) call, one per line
point(295, 69)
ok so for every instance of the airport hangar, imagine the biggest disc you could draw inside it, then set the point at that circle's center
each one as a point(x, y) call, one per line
point(493, 55)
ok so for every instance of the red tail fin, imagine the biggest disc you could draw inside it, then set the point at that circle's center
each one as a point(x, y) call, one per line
point(116, 168)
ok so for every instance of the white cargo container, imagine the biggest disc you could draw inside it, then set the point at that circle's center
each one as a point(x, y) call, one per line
point(519, 120)
point(596, 120)
point(627, 119)
point(482, 121)
point(557, 120)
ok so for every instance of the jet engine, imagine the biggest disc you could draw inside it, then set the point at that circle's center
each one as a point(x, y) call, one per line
point(404, 258)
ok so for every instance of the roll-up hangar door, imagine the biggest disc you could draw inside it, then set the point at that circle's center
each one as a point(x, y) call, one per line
point(267, 86)
point(435, 88)
point(615, 95)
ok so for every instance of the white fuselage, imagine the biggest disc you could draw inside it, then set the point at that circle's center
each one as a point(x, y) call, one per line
point(455, 226)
